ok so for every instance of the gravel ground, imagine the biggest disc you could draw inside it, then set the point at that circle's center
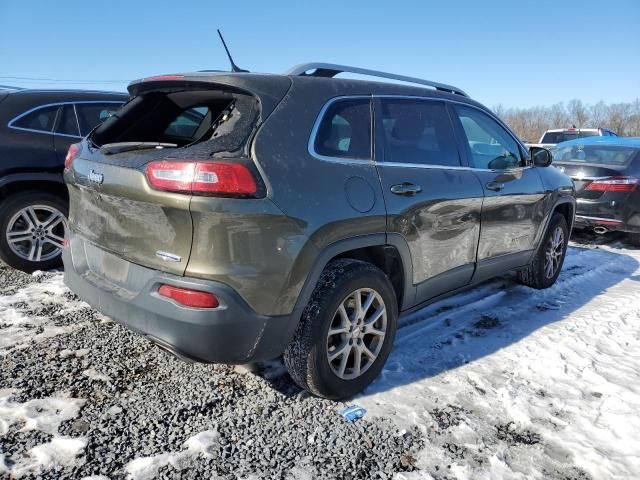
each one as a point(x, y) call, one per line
point(136, 401)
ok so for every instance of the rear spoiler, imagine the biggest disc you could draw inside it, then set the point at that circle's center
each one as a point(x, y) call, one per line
point(269, 89)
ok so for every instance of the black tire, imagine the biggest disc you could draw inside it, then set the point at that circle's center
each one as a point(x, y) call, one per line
point(534, 275)
point(634, 239)
point(306, 357)
point(9, 207)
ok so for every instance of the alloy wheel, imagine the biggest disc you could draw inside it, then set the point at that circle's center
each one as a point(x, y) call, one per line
point(356, 333)
point(36, 233)
point(554, 252)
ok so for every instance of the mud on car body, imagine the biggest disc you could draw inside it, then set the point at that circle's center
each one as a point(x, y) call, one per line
point(238, 217)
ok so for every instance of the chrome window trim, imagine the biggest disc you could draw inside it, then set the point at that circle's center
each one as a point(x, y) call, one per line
point(316, 125)
point(75, 112)
point(346, 160)
point(56, 104)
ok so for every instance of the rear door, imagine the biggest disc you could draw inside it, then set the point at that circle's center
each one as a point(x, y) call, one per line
point(513, 208)
point(431, 199)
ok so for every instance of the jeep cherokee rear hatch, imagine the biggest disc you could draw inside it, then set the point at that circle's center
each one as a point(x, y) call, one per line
point(132, 180)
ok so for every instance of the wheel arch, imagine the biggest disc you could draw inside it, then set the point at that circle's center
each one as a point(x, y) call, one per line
point(21, 182)
point(389, 252)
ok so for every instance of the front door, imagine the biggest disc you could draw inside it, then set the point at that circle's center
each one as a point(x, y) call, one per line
point(432, 201)
point(514, 195)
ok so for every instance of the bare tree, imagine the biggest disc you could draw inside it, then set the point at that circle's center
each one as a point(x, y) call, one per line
point(578, 113)
point(530, 123)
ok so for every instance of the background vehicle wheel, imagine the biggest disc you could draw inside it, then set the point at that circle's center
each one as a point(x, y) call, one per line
point(634, 239)
point(346, 331)
point(32, 227)
point(547, 262)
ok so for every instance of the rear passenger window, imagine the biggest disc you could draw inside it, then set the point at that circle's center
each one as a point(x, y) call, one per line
point(92, 114)
point(41, 119)
point(418, 131)
point(345, 130)
point(68, 125)
point(490, 146)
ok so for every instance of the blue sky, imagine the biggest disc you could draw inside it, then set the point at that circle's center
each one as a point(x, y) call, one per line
point(514, 53)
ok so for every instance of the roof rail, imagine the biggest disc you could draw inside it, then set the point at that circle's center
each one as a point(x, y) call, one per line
point(330, 70)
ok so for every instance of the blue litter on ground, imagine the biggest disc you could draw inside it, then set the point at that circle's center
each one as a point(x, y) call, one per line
point(352, 413)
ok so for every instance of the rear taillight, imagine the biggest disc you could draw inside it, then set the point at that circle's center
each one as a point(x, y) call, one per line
point(74, 150)
point(188, 297)
point(613, 184)
point(201, 178)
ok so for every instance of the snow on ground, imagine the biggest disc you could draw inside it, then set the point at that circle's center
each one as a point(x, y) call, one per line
point(146, 468)
point(509, 382)
point(503, 382)
point(20, 327)
point(45, 415)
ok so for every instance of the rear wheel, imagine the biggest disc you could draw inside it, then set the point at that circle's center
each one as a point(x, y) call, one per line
point(346, 331)
point(32, 228)
point(547, 262)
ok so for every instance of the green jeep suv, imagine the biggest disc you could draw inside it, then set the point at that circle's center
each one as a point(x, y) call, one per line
point(237, 217)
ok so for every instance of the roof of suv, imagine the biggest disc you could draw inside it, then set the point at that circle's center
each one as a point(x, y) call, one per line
point(266, 83)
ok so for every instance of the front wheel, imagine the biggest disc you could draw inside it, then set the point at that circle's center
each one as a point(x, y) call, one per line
point(547, 262)
point(32, 228)
point(346, 331)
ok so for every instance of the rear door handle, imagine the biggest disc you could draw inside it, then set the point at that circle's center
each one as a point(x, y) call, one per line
point(495, 186)
point(407, 189)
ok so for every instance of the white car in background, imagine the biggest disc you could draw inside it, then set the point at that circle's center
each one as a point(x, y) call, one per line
point(551, 138)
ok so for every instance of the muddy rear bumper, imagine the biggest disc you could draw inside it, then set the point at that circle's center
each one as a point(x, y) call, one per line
point(126, 292)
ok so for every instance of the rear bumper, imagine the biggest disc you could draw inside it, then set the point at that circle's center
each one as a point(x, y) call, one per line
point(612, 215)
point(611, 224)
point(231, 333)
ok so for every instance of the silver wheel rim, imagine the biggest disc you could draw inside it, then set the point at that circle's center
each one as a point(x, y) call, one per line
point(356, 333)
point(36, 233)
point(554, 252)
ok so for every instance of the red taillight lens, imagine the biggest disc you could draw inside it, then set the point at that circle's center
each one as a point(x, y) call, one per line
point(213, 178)
point(189, 298)
point(74, 150)
point(613, 184)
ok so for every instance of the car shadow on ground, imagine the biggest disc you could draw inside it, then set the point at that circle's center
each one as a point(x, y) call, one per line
point(486, 318)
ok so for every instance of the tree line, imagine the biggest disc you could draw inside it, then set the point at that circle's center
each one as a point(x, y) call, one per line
point(530, 123)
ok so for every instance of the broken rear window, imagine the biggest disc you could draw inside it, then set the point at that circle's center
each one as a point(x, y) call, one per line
point(222, 120)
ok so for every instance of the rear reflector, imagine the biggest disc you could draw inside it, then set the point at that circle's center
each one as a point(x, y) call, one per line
point(201, 178)
point(74, 150)
point(189, 298)
point(613, 184)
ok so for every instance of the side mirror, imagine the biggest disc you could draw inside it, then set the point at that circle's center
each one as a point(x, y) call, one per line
point(541, 156)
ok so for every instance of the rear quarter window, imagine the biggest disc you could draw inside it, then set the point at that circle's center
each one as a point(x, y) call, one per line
point(345, 130)
point(42, 119)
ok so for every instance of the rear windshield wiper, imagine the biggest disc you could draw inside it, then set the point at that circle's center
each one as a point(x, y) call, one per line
point(119, 147)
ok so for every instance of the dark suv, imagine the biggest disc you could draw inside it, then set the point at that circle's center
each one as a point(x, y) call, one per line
point(236, 217)
point(36, 129)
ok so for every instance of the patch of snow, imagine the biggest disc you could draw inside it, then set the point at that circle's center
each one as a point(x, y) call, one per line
point(93, 374)
point(552, 386)
point(146, 468)
point(59, 452)
point(45, 414)
point(19, 329)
